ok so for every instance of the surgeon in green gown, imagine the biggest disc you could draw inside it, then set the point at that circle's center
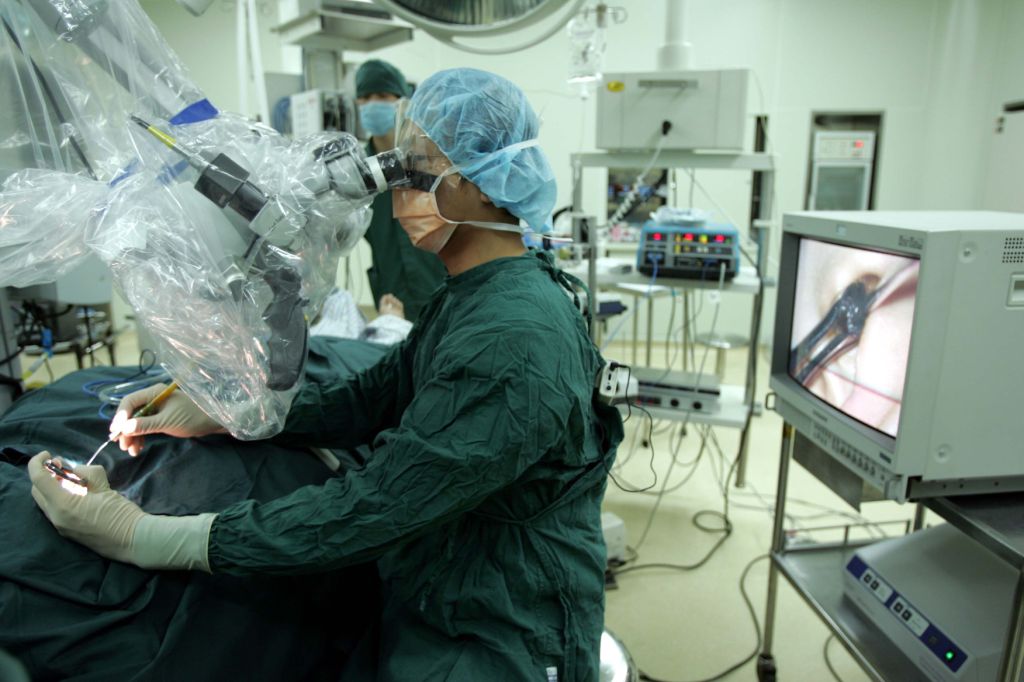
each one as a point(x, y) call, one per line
point(399, 268)
point(480, 501)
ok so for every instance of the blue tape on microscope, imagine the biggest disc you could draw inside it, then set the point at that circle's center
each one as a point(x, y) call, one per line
point(202, 110)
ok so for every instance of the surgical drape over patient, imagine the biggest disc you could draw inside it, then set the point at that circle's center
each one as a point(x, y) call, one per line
point(224, 284)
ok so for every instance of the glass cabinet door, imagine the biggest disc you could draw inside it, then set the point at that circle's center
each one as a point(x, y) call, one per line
point(840, 187)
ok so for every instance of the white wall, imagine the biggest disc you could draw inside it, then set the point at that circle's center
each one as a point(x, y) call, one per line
point(207, 46)
point(1004, 175)
point(935, 68)
point(1008, 80)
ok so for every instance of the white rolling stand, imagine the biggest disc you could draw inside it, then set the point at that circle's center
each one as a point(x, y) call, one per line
point(738, 404)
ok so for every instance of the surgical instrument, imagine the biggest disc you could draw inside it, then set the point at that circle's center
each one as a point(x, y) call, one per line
point(148, 409)
point(841, 327)
point(70, 481)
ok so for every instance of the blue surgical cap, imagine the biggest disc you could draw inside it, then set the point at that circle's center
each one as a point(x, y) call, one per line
point(470, 115)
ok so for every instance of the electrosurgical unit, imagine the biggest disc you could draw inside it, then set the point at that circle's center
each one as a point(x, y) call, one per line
point(688, 252)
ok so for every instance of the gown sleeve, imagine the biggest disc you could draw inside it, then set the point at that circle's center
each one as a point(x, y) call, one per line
point(350, 411)
point(487, 412)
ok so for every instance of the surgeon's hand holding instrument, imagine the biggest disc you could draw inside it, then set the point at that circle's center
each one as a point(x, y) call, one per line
point(113, 526)
point(148, 409)
point(70, 481)
point(174, 415)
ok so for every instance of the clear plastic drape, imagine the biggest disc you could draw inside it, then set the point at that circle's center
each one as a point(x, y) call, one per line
point(92, 100)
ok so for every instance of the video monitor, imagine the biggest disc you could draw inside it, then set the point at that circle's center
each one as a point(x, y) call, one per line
point(852, 315)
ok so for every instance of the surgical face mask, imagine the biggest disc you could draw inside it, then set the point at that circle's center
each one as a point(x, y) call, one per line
point(415, 205)
point(418, 215)
point(417, 211)
point(377, 118)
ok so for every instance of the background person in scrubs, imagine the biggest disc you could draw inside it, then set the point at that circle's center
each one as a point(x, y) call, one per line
point(398, 268)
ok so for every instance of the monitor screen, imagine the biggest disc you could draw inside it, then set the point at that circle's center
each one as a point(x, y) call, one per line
point(852, 315)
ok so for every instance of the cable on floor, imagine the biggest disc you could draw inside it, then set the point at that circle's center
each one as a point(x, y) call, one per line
point(725, 529)
point(757, 632)
point(828, 661)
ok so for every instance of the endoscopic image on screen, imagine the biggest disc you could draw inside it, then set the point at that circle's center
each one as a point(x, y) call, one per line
point(852, 314)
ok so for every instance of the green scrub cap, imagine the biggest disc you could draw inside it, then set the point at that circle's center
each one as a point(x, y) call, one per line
point(379, 76)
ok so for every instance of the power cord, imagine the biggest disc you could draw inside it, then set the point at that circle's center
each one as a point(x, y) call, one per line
point(692, 463)
point(828, 661)
point(630, 199)
point(757, 631)
point(725, 529)
point(614, 367)
point(726, 526)
point(666, 489)
point(677, 334)
point(711, 331)
point(632, 488)
point(625, 318)
point(793, 519)
point(671, 323)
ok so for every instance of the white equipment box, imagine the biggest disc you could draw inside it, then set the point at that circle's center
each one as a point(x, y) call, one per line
point(706, 109)
point(940, 597)
point(673, 390)
point(614, 530)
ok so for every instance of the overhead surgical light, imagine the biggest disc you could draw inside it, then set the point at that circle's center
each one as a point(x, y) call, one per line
point(461, 19)
point(196, 7)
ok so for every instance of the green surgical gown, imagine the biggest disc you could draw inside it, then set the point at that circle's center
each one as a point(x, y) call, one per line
point(481, 498)
point(399, 268)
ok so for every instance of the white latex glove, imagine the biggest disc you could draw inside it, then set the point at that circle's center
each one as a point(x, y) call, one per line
point(102, 519)
point(111, 525)
point(178, 416)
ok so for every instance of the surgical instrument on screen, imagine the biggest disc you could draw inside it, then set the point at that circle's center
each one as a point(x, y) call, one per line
point(841, 327)
point(148, 409)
